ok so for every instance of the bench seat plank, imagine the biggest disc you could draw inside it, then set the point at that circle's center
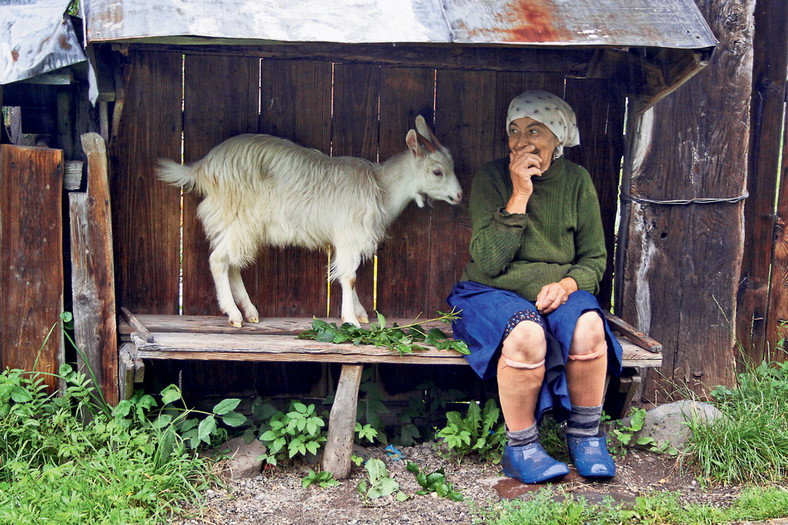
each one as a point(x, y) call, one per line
point(254, 347)
point(273, 339)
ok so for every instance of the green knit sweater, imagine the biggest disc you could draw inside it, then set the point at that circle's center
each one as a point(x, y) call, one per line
point(560, 235)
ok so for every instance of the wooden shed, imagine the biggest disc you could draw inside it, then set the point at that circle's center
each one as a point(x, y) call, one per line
point(173, 79)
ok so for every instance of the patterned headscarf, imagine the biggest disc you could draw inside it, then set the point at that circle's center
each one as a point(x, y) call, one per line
point(550, 110)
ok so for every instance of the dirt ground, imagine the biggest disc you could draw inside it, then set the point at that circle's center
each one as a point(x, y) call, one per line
point(277, 497)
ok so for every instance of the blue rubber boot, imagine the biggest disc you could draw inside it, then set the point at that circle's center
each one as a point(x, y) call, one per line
point(590, 456)
point(531, 464)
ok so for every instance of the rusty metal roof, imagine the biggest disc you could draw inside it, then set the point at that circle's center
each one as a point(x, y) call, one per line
point(37, 38)
point(630, 23)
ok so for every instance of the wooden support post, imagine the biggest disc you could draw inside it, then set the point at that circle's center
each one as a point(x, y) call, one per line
point(92, 279)
point(628, 386)
point(125, 372)
point(342, 423)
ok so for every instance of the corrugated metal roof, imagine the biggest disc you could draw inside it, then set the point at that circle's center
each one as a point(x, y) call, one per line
point(37, 38)
point(630, 23)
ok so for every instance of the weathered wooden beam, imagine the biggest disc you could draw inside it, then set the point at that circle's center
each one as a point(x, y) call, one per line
point(566, 60)
point(632, 333)
point(31, 260)
point(92, 278)
point(682, 259)
point(136, 325)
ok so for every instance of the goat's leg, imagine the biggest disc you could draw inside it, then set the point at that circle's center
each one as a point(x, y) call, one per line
point(220, 269)
point(345, 264)
point(241, 297)
point(358, 308)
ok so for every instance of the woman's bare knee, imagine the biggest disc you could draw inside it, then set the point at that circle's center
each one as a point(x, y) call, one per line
point(525, 344)
point(589, 337)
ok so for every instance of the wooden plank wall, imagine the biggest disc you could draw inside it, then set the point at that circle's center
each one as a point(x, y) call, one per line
point(762, 305)
point(31, 257)
point(349, 109)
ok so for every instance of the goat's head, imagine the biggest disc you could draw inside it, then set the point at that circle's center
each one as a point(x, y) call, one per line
point(434, 165)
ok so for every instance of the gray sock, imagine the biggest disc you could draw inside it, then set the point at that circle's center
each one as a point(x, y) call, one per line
point(584, 421)
point(520, 438)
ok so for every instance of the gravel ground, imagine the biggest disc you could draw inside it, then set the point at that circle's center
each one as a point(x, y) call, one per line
point(277, 497)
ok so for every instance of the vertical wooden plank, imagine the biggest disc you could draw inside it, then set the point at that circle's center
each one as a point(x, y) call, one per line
point(355, 134)
point(31, 260)
point(145, 211)
point(600, 118)
point(465, 123)
point(296, 105)
point(220, 101)
point(403, 262)
point(92, 278)
point(770, 47)
point(777, 327)
point(682, 262)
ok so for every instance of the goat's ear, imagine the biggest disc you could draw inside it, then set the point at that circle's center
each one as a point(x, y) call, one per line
point(414, 144)
point(425, 131)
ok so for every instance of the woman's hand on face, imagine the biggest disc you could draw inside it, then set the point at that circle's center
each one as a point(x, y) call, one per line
point(553, 295)
point(524, 164)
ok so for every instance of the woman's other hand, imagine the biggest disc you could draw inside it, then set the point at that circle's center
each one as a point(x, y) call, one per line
point(554, 295)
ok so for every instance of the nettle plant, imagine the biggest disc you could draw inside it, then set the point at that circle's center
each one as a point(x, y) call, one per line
point(298, 431)
point(481, 431)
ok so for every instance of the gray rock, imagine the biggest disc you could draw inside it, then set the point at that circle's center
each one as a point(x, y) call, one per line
point(242, 459)
point(667, 423)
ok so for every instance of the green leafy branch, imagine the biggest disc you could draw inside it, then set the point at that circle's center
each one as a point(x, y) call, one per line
point(405, 339)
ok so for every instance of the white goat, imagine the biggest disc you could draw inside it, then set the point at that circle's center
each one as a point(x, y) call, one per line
point(262, 190)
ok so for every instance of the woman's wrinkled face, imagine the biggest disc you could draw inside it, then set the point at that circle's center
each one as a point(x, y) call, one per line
point(525, 132)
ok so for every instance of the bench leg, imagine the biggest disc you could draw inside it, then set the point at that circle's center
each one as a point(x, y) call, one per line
point(629, 386)
point(342, 423)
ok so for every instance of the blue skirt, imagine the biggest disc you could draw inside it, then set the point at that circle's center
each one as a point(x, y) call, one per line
point(484, 314)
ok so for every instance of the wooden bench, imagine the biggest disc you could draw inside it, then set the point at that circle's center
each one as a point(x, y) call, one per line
point(274, 340)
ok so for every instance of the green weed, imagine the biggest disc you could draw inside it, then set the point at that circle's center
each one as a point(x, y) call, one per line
point(297, 432)
point(749, 443)
point(378, 483)
point(480, 432)
point(434, 482)
point(128, 465)
point(552, 505)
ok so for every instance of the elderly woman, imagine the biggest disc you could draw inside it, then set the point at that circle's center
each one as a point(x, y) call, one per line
point(529, 314)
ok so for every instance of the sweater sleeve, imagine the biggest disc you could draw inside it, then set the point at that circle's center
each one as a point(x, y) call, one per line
point(591, 254)
point(496, 233)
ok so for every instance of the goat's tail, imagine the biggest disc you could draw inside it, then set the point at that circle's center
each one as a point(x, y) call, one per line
point(176, 174)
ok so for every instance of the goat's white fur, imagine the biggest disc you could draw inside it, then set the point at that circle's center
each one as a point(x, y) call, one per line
point(263, 190)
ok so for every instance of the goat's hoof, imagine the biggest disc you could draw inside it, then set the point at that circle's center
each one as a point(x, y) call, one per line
point(254, 320)
point(235, 324)
point(363, 319)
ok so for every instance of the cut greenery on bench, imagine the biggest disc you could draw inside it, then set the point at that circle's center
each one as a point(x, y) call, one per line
point(405, 339)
